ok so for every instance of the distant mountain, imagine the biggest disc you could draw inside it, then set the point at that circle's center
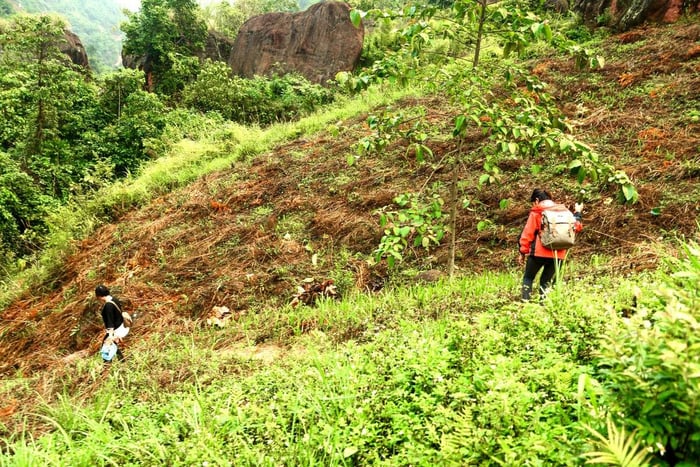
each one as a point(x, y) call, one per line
point(96, 22)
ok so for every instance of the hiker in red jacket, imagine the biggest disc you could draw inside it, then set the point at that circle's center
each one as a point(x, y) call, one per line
point(538, 256)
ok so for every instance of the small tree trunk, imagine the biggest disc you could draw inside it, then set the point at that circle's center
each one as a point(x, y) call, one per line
point(453, 211)
point(480, 33)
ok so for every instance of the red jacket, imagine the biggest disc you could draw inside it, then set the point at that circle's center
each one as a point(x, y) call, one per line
point(530, 243)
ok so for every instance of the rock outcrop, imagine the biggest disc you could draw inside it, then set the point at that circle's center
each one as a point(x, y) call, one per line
point(625, 14)
point(218, 46)
point(316, 43)
point(74, 49)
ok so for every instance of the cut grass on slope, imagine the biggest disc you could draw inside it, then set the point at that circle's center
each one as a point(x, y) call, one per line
point(188, 160)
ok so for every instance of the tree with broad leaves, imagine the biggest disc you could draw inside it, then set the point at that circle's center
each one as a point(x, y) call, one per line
point(518, 121)
point(167, 35)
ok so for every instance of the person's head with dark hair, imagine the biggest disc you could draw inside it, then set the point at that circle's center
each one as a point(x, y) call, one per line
point(101, 291)
point(539, 195)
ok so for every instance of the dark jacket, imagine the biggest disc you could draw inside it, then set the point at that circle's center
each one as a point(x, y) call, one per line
point(111, 314)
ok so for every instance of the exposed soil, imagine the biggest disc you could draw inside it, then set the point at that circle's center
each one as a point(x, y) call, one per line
point(246, 237)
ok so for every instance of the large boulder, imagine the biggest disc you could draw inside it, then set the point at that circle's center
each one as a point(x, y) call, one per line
point(73, 47)
point(316, 43)
point(626, 14)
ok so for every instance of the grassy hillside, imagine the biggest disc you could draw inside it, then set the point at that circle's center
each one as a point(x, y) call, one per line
point(395, 371)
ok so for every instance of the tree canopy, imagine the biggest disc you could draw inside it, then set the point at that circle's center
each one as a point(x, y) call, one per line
point(166, 35)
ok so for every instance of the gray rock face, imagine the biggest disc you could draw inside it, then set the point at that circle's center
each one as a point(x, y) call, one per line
point(317, 43)
point(626, 14)
point(73, 48)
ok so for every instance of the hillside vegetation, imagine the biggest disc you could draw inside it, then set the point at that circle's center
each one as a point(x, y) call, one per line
point(404, 365)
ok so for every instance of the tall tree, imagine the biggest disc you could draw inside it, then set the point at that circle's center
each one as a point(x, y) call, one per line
point(39, 93)
point(168, 35)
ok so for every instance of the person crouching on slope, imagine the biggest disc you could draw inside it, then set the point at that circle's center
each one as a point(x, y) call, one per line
point(538, 256)
point(111, 312)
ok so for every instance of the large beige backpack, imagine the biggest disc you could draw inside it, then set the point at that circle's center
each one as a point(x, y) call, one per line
point(558, 228)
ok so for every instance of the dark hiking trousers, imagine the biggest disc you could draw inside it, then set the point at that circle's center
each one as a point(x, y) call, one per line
point(549, 268)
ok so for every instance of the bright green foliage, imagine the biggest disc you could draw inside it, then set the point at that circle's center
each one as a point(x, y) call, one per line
point(418, 223)
point(224, 18)
point(259, 100)
point(116, 88)
point(142, 118)
point(22, 208)
point(650, 365)
point(585, 58)
point(451, 374)
point(166, 35)
point(522, 120)
point(41, 96)
point(522, 124)
point(377, 4)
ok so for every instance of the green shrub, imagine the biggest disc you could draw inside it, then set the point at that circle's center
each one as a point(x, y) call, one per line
point(650, 367)
point(259, 100)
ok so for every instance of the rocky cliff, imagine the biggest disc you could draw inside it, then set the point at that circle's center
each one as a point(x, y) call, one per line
point(317, 43)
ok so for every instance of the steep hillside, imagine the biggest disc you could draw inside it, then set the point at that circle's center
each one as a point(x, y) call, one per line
point(246, 237)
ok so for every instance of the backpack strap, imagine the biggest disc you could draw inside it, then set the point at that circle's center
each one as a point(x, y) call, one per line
point(115, 304)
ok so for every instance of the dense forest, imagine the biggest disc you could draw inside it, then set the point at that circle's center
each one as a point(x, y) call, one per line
point(327, 274)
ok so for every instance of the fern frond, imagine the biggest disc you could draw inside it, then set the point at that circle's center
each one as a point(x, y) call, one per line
point(617, 448)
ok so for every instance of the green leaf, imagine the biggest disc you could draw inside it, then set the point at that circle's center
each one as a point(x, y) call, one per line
point(349, 451)
point(351, 160)
point(655, 212)
point(629, 192)
point(460, 123)
point(575, 164)
point(581, 175)
point(483, 179)
point(513, 148)
point(356, 17)
point(547, 32)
